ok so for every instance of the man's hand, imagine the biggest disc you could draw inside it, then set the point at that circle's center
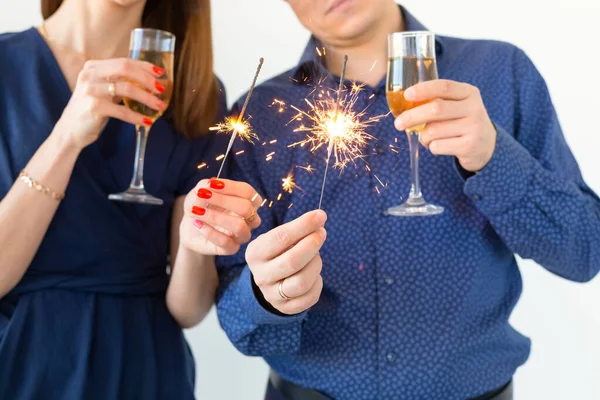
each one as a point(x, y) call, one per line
point(286, 264)
point(457, 122)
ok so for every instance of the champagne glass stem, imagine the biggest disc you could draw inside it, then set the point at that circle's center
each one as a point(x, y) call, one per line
point(137, 182)
point(415, 196)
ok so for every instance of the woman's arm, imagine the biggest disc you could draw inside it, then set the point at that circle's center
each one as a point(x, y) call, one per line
point(25, 213)
point(215, 218)
point(194, 280)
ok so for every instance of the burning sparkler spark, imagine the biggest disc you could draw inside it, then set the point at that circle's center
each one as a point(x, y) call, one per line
point(288, 184)
point(308, 168)
point(279, 104)
point(335, 123)
point(239, 127)
point(345, 128)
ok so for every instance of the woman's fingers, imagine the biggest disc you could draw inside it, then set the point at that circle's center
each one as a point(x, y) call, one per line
point(237, 226)
point(125, 89)
point(235, 188)
point(102, 108)
point(226, 206)
point(221, 241)
point(143, 73)
point(239, 206)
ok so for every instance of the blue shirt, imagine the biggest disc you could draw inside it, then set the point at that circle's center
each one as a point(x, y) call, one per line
point(415, 308)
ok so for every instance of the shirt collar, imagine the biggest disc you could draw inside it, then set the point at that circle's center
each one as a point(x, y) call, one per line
point(312, 61)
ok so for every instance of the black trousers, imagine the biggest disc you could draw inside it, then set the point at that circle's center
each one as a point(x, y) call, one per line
point(279, 389)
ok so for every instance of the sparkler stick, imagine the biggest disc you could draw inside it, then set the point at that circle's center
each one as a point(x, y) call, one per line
point(331, 142)
point(239, 125)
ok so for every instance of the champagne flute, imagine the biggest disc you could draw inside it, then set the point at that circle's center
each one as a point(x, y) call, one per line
point(411, 60)
point(156, 47)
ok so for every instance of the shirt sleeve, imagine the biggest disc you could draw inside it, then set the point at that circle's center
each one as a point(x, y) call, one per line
point(532, 190)
point(252, 327)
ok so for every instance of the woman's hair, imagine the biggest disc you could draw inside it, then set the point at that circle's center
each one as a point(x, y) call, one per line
point(196, 90)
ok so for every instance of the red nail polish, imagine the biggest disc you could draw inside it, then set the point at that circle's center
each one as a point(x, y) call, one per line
point(159, 86)
point(158, 70)
point(198, 210)
point(204, 193)
point(147, 121)
point(216, 184)
point(198, 224)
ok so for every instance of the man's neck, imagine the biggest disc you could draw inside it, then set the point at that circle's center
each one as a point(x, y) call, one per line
point(96, 28)
point(367, 56)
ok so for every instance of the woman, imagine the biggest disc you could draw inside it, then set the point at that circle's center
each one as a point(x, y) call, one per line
point(87, 309)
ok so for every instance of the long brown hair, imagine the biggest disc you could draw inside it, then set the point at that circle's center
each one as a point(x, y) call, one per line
point(195, 96)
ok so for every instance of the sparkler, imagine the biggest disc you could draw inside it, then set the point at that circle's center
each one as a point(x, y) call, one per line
point(238, 127)
point(335, 123)
point(335, 127)
point(288, 184)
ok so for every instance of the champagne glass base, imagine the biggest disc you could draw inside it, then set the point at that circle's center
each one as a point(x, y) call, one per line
point(414, 210)
point(136, 196)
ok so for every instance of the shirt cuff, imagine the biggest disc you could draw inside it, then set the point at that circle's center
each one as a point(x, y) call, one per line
point(505, 180)
point(256, 312)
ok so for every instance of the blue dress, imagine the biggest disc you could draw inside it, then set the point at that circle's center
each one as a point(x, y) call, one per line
point(89, 319)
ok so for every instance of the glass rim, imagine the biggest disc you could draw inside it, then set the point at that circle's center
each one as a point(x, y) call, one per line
point(411, 34)
point(167, 34)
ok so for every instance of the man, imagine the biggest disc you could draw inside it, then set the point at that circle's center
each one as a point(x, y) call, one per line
point(404, 308)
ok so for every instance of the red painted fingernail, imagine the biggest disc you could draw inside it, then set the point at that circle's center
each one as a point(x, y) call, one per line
point(204, 193)
point(198, 224)
point(216, 184)
point(198, 210)
point(147, 121)
point(158, 70)
point(159, 86)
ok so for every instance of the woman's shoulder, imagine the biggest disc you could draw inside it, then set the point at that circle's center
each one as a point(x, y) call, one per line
point(19, 42)
point(17, 49)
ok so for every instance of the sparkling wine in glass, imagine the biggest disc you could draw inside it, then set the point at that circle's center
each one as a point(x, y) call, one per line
point(411, 60)
point(156, 47)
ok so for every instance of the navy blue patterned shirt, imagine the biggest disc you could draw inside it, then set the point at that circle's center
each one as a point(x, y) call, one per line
point(418, 307)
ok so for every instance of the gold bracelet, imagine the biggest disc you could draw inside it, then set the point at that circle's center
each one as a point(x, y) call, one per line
point(29, 181)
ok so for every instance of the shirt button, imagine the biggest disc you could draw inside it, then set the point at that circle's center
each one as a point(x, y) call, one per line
point(389, 280)
point(476, 197)
point(390, 357)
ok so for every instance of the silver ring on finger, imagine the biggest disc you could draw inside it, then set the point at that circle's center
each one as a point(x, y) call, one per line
point(280, 290)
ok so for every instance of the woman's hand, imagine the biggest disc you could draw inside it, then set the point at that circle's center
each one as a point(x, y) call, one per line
point(94, 100)
point(219, 217)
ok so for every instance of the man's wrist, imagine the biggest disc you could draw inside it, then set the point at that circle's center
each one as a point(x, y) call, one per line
point(260, 311)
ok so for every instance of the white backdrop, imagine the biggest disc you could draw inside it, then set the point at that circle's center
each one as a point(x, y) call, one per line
point(561, 37)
